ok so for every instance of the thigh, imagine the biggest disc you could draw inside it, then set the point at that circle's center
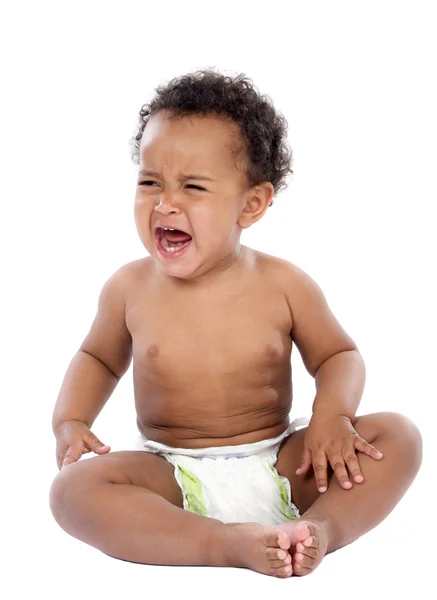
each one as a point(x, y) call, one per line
point(134, 467)
point(304, 491)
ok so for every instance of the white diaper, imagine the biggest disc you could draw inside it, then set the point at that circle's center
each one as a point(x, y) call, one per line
point(234, 484)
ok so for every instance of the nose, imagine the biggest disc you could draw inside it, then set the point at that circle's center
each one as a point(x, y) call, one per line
point(166, 205)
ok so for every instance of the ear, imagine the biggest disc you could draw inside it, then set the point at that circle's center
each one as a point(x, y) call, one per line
point(257, 201)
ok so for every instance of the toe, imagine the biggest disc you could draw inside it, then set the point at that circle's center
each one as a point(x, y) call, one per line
point(311, 542)
point(299, 570)
point(303, 561)
point(283, 539)
point(283, 571)
point(276, 537)
point(301, 533)
point(311, 552)
point(297, 532)
point(276, 553)
point(276, 564)
point(271, 537)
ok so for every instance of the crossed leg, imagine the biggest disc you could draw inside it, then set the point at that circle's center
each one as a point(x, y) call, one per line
point(339, 516)
point(128, 505)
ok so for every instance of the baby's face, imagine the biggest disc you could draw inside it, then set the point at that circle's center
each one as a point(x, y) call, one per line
point(209, 210)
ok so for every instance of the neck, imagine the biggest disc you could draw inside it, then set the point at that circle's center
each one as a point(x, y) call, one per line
point(227, 267)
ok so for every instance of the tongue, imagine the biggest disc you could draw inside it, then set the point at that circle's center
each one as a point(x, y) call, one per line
point(177, 236)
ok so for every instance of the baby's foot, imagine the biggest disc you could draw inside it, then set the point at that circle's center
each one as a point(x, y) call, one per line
point(263, 549)
point(309, 551)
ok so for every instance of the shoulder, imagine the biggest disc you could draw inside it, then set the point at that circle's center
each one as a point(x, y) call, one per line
point(133, 271)
point(285, 273)
point(297, 287)
point(117, 288)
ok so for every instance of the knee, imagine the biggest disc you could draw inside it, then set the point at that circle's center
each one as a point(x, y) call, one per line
point(405, 434)
point(64, 488)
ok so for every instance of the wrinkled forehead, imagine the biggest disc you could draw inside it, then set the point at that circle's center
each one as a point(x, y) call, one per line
point(208, 139)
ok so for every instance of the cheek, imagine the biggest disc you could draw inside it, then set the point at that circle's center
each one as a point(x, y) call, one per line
point(142, 220)
point(142, 209)
point(221, 225)
point(140, 203)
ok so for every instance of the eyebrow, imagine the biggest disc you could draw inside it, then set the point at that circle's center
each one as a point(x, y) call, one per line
point(143, 172)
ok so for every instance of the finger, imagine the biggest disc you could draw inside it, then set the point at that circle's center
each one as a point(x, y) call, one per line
point(72, 455)
point(95, 444)
point(367, 448)
point(320, 466)
point(353, 465)
point(305, 463)
point(337, 463)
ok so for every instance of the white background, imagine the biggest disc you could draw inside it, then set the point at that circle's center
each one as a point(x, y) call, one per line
point(356, 84)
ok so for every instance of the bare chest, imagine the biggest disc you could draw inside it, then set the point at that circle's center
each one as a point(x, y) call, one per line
point(243, 338)
point(211, 366)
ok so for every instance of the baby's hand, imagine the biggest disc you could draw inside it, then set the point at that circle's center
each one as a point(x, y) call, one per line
point(332, 437)
point(74, 438)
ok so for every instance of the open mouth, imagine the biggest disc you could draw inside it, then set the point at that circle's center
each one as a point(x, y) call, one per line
point(172, 242)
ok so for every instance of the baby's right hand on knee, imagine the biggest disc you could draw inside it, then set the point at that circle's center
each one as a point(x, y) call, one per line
point(74, 438)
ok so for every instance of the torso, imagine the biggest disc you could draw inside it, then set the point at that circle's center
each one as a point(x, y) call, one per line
point(211, 368)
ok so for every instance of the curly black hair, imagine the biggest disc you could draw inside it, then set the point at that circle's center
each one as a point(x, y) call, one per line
point(263, 129)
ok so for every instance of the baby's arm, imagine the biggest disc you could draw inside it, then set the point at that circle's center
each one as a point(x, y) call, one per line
point(102, 359)
point(333, 359)
point(328, 352)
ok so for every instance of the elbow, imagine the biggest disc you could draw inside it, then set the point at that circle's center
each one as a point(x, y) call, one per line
point(353, 349)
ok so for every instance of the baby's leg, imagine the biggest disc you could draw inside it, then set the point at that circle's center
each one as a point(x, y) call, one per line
point(129, 505)
point(339, 516)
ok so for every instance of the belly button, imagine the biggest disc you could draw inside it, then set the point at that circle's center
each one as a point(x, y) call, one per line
point(152, 350)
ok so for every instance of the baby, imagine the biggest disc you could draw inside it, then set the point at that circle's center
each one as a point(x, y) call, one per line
point(220, 476)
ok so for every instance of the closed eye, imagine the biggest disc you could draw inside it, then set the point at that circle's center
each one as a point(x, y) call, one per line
point(197, 187)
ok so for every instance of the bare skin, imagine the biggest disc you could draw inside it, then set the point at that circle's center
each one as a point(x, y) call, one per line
point(223, 316)
point(247, 373)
